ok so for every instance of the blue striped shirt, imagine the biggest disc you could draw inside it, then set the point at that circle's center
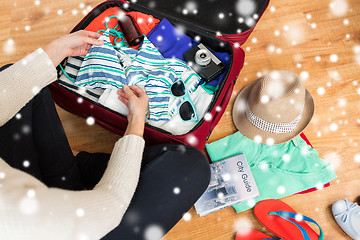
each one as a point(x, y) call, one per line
point(107, 67)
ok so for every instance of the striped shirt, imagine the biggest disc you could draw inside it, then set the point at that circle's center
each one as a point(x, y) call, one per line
point(108, 67)
point(71, 68)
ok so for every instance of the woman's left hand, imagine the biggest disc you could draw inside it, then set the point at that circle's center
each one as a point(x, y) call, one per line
point(74, 44)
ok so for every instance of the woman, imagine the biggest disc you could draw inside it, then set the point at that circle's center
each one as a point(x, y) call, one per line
point(38, 172)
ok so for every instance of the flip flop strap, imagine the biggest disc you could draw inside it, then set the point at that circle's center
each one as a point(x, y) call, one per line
point(286, 215)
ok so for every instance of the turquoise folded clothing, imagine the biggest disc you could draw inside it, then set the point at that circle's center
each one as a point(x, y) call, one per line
point(279, 170)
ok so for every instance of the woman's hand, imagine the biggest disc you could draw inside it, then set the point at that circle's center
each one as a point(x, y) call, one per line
point(74, 44)
point(137, 102)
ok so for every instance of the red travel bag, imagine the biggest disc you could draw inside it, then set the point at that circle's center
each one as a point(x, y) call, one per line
point(218, 23)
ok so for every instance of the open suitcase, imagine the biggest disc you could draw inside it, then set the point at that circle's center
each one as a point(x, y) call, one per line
point(221, 25)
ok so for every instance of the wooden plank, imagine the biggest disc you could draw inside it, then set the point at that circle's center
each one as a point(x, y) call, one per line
point(296, 49)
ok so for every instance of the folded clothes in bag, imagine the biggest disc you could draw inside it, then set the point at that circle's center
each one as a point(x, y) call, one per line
point(72, 67)
point(170, 41)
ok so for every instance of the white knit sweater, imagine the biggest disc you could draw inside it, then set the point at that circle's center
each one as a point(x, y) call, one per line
point(31, 210)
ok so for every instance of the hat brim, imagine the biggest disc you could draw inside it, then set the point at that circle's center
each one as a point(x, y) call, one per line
point(249, 130)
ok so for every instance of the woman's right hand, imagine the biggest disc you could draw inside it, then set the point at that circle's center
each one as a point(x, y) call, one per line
point(137, 102)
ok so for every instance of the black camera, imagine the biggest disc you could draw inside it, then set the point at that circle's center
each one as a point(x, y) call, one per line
point(204, 62)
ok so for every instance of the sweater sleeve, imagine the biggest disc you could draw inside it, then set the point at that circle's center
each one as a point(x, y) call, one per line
point(30, 210)
point(20, 82)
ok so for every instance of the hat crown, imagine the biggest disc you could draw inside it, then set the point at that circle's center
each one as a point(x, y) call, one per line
point(277, 97)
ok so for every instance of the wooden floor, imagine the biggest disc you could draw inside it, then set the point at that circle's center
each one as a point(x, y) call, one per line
point(319, 40)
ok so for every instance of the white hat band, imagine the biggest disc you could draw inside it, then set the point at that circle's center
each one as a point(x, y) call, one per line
point(272, 127)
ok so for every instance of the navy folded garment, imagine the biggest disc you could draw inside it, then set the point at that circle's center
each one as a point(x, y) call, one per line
point(172, 43)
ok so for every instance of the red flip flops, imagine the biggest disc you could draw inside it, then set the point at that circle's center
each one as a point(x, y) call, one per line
point(251, 235)
point(283, 221)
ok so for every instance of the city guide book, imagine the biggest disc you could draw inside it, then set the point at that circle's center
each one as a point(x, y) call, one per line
point(231, 182)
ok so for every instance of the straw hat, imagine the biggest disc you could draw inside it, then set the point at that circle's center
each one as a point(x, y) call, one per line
point(273, 109)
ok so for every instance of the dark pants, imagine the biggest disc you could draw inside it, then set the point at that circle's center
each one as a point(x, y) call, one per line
point(172, 177)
